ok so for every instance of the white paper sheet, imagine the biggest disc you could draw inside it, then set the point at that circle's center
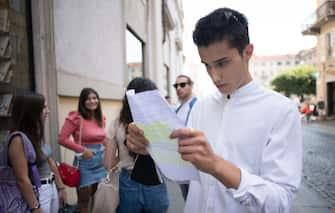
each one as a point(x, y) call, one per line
point(157, 119)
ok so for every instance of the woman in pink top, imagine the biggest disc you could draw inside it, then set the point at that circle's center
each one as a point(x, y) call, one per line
point(90, 149)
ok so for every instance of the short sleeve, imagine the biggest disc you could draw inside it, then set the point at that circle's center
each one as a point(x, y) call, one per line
point(46, 149)
point(27, 146)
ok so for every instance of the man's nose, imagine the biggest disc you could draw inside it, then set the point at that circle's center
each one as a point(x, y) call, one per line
point(214, 74)
point(179, 88)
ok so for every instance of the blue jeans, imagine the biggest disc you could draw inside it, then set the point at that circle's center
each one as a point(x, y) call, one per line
point(138, 198)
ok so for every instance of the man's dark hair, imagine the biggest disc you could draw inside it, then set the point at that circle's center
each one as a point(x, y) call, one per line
point(189, 80)
point(222, 24)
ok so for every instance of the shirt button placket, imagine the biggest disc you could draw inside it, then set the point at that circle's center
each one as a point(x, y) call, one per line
point(211, 193)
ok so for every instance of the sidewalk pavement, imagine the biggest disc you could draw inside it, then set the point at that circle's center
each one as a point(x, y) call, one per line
point(307, 200)
point(326, 125)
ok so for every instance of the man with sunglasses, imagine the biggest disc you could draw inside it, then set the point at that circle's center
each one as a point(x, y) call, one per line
point(245, 140)
point(184, 87)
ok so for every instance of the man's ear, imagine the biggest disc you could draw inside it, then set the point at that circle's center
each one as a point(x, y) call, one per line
point(248, 50)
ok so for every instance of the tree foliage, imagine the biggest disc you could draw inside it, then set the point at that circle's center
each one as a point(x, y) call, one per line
point(299, 80)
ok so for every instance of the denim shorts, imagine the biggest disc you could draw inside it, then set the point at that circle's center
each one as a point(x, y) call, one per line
point(92, 170)
point(137, 198)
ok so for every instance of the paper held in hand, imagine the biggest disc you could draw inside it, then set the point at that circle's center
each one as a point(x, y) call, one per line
point(156, 118)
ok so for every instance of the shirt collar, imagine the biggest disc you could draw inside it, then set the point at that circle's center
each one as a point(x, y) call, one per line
point(242, 91)
point(188, 101)
point(245, 89)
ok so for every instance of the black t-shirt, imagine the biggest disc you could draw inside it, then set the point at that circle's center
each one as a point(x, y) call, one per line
point(144, 171)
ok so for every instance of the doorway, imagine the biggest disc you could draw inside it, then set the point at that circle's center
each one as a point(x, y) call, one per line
point(331, 98)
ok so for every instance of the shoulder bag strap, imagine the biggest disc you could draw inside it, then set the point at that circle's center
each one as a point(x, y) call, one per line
point(80, 136)
point(190, 108)
point(77, 160)
point(80, 130)
point(179, 107)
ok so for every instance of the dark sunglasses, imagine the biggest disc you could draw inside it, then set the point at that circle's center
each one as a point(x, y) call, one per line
point(182, 85)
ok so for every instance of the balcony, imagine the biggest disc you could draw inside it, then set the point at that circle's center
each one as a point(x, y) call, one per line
point(325, 13)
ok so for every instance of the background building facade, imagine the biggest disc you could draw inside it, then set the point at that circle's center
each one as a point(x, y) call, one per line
point(62, 46)
point(322, 24)
point(58, 47)
point(265, 68)
point(308, 57)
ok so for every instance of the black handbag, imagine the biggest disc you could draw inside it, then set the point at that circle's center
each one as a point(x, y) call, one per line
point(144, 171)
point(67, 208)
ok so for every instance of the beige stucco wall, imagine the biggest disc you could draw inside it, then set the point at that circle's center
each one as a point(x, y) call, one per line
point(81, 43)
point(320, 85)
point(93, 55)
point(323, 60)
point(90, 46)
point(322, 41)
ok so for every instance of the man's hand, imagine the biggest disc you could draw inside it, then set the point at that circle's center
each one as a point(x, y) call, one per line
point(194, 147)
point(136, 142)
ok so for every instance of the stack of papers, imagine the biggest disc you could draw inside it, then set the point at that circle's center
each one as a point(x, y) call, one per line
point(157, 119)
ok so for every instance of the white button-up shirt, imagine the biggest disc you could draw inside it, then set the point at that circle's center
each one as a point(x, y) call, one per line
point(259, 131)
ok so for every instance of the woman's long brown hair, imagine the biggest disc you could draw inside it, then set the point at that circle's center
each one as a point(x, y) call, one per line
point(26, 117)
point(97, 114)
